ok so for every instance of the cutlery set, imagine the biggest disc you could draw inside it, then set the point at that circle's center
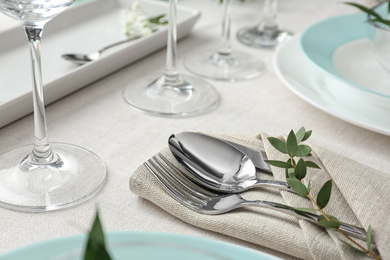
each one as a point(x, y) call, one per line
point(214, 173)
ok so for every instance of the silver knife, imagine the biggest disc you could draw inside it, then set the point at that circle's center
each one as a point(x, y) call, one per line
point(257, 157)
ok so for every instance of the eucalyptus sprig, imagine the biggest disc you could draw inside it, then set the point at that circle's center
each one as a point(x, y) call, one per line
point(296, 168)
point(372, 13)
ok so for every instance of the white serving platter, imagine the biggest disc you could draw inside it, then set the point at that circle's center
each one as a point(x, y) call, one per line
point(83, 28)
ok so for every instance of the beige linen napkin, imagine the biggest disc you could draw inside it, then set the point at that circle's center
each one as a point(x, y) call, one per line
point(360, 196)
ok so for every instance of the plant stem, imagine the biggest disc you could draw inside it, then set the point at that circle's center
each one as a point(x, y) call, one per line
point(320, 210)
point(342, 232)
point(358, 245)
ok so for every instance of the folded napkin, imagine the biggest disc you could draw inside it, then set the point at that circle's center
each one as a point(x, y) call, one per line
point(360, 196)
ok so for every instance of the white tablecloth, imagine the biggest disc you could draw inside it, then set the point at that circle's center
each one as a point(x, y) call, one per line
point(97, 118)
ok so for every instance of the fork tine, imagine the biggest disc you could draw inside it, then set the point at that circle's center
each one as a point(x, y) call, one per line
point(174, 172)
point(179, 183)
point(177, 192)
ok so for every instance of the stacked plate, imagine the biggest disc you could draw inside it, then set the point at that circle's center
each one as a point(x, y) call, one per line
point(332, 66)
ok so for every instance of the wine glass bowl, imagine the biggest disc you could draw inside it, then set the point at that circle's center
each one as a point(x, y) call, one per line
point(267, 33)
point(171, 94)
point(224, 63)
point(45, 176)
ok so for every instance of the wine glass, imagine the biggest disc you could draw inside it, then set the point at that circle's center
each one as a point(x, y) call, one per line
point(224, 63)
point(46, 176)
point(171, 94)
point(266, 33)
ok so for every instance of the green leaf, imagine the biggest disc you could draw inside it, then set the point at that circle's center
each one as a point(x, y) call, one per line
point(306, 209)
point(157, 19)
point(95, 248)
point(291, 143)
point(279, 164)
point(300, 134)
point(307, 135)
point(290, 173)
point(312, 164)
point(324, 194)
point(380, 21)
point(297, 186)
point(278, 144)
point(333, 223)
point(300, 169)
point(365, 9)
point(309, 186)
point(302, 150)
point(369, 236)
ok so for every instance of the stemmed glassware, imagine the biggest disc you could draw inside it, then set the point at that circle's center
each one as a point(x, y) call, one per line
point(266, 33)
point(171, 94)
point(224, 63)
point(46, 176)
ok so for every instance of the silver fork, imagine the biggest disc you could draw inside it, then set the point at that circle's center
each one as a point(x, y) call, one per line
point(206, 202)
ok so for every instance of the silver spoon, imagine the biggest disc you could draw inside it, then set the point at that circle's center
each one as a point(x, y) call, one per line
point(80, 58)
point(216, 165)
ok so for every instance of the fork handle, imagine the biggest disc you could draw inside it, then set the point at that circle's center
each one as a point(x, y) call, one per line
point(282, 185)
point(350, 230)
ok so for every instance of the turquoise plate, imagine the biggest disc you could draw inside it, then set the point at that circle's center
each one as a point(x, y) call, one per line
point(320, 40)
point(138, 245)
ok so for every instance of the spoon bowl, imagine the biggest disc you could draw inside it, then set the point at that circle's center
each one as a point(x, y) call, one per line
point(216, 165)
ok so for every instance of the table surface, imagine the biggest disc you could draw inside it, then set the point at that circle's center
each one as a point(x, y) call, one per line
point(96, 117)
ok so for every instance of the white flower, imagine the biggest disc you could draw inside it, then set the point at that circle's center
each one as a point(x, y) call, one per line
point(137, 23)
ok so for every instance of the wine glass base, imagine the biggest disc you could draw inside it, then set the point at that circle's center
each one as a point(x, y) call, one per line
point(187, 97)
point(237, 66)
point(74, 178)
point(268, 38)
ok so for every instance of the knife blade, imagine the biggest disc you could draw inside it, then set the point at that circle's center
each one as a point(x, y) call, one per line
point(257, 157)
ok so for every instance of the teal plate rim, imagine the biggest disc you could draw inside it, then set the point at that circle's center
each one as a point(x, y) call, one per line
point(319, 41)
point(149, 245)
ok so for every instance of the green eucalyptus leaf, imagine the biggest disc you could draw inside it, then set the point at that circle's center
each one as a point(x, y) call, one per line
point(306, 209)
point(309, 186)
point(300, 134)
point(279, 164)
point(302, 150)
point(369, 237)
point(300, 169)
point(365, 9)
point(297, 186)
point(312, 165)
point(307, 135)
point(95, 248)
point(290, 173)
point(324, 194)
point(291, 143)
point(333, 223)
point(278, 144)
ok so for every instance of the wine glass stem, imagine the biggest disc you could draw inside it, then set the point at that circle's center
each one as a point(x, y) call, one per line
point(171, 73)
point(42, 152)
point(268, 18)
point(225, 47)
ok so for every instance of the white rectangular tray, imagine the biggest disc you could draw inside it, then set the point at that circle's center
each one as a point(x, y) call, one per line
point(83, 28)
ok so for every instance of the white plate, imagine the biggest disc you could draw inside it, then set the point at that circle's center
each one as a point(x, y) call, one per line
point(83, 28)
point(325, 92)
point(340, 46)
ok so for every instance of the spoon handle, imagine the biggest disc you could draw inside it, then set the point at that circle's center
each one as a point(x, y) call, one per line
point(118, 43)
point(350, 230)
point(282, 185)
